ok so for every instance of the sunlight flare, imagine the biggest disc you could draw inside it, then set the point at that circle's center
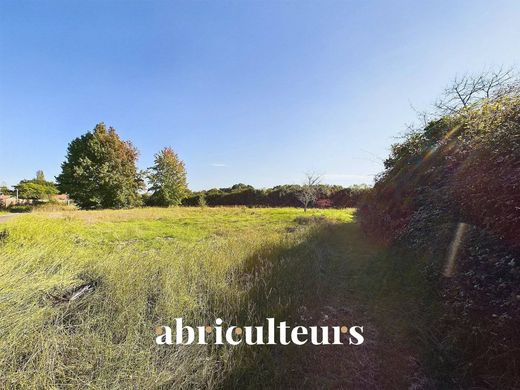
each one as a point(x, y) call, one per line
point(454, 248)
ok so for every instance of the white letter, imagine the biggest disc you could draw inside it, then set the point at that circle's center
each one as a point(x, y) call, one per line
point(202, 335)
point(229, 336)
point(324, 335)
point(271, 338)
point(357, 335)
point(337, 335)
point(218, 332)
point(179, 329)
point(298, 331)
point(283, 337)
point(248, 330)
point(165, 338)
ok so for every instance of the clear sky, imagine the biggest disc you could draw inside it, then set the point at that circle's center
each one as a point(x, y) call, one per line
point(257, 92)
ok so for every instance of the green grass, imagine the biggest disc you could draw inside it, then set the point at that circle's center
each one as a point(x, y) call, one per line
point(150, 265)
point(153, 265)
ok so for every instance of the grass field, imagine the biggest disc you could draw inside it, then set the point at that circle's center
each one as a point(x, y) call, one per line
point(149, 266)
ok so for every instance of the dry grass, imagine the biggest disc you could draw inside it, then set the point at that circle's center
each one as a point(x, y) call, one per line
point(147, 266)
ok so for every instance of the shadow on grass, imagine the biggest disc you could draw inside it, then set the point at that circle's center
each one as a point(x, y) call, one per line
point(333, 275)
point(279, 283)
point(388, 291)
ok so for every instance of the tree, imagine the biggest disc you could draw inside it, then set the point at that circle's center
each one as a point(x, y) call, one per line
point(32, 189)
point(4, 190)
point(167, 179)
point(241, 187)
point(309, 190)
point(40, 176)
point(470, 89)
point(37, 188)
point(100, 170)
point(201, 200)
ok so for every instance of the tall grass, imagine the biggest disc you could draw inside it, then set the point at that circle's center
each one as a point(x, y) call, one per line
point(147, 267)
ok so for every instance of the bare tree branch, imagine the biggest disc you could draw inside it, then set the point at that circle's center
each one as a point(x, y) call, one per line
point(470, 89)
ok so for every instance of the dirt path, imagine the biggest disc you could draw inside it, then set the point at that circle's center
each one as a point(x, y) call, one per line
point(7, 217)
point(387, 358)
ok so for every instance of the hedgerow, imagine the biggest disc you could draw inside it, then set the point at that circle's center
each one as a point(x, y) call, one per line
point(462, 169)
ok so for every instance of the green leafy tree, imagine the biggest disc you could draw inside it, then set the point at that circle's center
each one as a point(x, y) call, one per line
point(4, 190)
point(167, 179)
point(100, 170)
point(37, 188)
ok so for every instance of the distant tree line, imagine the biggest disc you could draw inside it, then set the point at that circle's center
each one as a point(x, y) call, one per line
point(100, 171)
point(279, 196)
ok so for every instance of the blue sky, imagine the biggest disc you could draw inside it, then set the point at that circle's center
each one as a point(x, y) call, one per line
point(257, 92)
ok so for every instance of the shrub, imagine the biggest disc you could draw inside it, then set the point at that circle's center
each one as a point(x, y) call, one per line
point(20, 209)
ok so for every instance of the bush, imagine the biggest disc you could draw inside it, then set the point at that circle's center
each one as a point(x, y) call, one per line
point(54, 207)
point(20, 209)
point(464, 168)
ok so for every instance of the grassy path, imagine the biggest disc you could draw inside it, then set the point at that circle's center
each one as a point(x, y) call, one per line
point(355, 273)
